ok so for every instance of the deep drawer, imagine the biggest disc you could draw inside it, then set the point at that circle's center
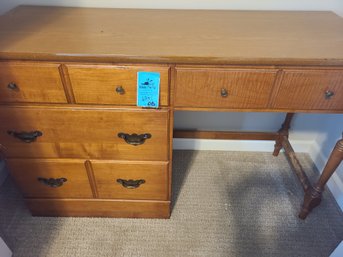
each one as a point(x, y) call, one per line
point(77, 133)
point(51, 178)
point(31, 82)
point(310, 90)
point(108, 84)
point(223, 88)
point(131, 180)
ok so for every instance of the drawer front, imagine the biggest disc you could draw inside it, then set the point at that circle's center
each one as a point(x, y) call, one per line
point(31, 82)
point(106, 84)
point(51, 178)
point(141, 181)
point(310, 89)
point(223, 88)
point(76, 133)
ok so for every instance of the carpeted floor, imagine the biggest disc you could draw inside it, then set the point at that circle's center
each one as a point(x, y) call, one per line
point(225, 204)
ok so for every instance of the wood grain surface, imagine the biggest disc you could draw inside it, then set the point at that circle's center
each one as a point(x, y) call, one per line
point(155, 175)
point(27, 171)
point(245, 88)
point(97, 84)
point(99, 208)
point(307, 89)
point(78, 133)
point(172, 36)
point(35, 83)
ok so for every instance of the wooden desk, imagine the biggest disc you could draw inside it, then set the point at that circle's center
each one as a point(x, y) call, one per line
point(74, 139)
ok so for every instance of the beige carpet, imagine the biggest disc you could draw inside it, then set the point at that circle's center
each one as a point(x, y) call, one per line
point(226, 204)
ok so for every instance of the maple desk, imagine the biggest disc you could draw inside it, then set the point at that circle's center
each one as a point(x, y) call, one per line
point(74, 139)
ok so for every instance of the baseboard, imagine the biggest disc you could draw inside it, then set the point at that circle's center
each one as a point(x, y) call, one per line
point(4, 250)
point(236, 145)
point(335, 184)
point(338, 251)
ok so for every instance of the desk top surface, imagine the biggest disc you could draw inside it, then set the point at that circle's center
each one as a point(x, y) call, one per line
point(172, 36)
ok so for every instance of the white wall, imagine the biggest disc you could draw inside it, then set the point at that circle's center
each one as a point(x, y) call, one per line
point(320, 130)
point(334, 5)
point(4, 250)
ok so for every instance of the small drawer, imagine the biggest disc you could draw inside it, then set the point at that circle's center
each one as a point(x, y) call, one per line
point(31, 82)
point(310, 90)
point(131, 180)
point(223, 88)
point(126, 134)
point(50, 178)
point(117, 85)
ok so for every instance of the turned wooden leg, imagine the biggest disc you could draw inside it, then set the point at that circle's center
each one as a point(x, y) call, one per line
point(313, 195)
point(283, 131)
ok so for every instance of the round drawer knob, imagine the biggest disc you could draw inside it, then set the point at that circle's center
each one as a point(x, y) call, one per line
point(223, 92)
point(13, 86)
point(120, 90)
point(329, 94)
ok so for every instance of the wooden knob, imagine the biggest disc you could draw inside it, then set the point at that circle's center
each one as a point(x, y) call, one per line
point(13, 86)
point(120, 90)
point(329, 94)
point(223, 92)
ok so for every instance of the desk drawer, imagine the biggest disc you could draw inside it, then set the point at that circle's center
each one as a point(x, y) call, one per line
point(31, 82)
point(223, 88)
point(107, 84)
point(310, 89)
point(77, 133)
point(51, 178)
point(128, 180)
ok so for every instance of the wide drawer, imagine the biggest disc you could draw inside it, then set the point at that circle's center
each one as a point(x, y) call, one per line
point(310, 90)
point(31, 82)
point(131, 180)
point(37, 132)
point(50, 178)
point(223, 88)
point(108, 84)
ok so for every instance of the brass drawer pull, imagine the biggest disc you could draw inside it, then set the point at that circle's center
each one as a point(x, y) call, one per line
point(223, 92)
point(12, 86)
point(134, 139)
point(329, 94)
point(26, 137)
point(120, 90)
point(52, 182)
point(130, 184)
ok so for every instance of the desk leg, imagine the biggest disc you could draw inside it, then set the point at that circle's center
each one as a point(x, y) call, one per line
point(313, 195)
point(284, 131)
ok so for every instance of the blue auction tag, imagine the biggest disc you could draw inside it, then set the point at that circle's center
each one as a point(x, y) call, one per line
point(148, 89)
